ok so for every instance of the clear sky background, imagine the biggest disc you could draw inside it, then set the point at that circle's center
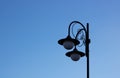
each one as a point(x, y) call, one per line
point(30, 29)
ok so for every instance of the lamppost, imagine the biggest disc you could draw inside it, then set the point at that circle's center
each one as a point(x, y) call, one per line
point(72, 43)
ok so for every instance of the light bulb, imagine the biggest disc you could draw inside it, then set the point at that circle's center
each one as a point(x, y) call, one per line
point(68, 45)
point(75, 57)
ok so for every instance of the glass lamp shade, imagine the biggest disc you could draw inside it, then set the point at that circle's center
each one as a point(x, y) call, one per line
point(68, 45)
point(68, 42)
point(75, 57)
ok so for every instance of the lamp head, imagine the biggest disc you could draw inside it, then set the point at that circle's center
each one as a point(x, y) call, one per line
point(68, 42)
point(75, 54)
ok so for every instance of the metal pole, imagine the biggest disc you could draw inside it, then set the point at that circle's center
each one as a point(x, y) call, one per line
point(87, 49)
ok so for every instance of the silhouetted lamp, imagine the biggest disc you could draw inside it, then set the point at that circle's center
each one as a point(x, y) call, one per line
point(70, 43)
point(75, 54)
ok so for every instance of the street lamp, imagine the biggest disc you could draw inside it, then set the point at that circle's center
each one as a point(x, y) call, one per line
point(72, 43)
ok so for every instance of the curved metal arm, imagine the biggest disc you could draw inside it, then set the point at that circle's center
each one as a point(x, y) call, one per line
point(78, 33)
point(77, 23)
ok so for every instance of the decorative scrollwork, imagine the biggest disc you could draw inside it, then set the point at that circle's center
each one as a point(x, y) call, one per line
point(80, 35)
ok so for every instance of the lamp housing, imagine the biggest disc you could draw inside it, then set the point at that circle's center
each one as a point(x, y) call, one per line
point(68, 42)
point(75, 54)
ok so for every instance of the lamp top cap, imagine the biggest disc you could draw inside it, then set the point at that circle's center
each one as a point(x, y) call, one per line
point(68, 38)
point(75, 51)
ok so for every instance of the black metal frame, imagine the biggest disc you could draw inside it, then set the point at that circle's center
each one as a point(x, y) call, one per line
point(76, 42)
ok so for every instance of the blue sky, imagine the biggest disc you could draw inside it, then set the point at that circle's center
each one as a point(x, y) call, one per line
point(30, 29)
